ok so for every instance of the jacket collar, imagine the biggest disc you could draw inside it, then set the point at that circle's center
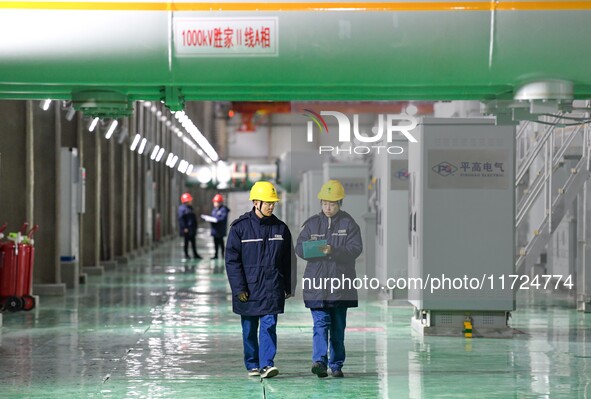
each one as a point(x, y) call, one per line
point(335, 218)
point(255, 219)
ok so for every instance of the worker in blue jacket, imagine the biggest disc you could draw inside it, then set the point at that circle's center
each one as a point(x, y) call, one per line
point(341, 244)
point(188, 224)
point(261, 267)
point(219, 227)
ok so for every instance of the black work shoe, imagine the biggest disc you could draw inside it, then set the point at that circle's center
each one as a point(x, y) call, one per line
point(319, 369)
point(197, 256)
point(269, 372)
point(337, 374)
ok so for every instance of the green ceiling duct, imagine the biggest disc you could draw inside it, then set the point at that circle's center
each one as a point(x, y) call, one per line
point(176, 52)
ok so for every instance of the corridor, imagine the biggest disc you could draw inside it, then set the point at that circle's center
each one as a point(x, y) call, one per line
point(162, 327)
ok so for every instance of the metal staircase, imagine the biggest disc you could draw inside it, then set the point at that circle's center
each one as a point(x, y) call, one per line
point(541, 150)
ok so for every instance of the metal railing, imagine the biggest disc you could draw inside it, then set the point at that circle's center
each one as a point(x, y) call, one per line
point(549, 149)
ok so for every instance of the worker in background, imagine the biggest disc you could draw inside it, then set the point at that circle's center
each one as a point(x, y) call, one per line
point(261, 267)
point(188, 224)
point(330, 241)
point(219, 224)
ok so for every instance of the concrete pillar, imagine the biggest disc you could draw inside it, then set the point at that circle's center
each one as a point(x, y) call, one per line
point(163, 131)
point(47, 146)
point(176, 193)
point(151, 188)
point(138, 201)
point(92, 218)
point(132, 188)
point(30, 163)
point(117, 184)
point(156, 172)
point(140, 184)
point(122, 155)
point(13, 157)
point(166, 226)
point(164, 214)
point(106, 199)
point(108, 203)
point(97, 194)
point(140, 220)
point(172, 192)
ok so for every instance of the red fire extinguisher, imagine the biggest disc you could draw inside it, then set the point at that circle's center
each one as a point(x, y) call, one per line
point(16, 263)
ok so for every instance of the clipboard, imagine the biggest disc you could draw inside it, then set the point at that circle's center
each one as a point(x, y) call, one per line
point(312, 248)
point(209, 219)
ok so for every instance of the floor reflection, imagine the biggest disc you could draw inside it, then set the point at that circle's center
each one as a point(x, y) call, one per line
point(159, 327)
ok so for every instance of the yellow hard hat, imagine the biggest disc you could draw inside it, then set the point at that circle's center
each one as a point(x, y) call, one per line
point(332, 190)
point(264, 191)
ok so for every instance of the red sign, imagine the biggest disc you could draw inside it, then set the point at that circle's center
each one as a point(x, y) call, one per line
point(226, 36)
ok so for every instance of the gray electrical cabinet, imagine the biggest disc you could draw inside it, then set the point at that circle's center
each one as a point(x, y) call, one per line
point(461, 225)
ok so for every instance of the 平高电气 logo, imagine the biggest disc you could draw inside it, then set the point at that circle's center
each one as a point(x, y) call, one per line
point(444, 168)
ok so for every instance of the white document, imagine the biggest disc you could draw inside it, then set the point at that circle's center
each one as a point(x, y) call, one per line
point(208, 218)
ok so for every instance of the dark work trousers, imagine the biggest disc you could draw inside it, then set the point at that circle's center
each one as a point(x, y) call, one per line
point(190, 239)
point(218, 242)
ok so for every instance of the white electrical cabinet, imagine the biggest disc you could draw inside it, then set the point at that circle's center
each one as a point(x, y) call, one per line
point(391, 172)
point(72, 180)
point(461, 225)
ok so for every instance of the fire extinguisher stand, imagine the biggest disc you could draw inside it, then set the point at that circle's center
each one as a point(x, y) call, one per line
point(24, 281)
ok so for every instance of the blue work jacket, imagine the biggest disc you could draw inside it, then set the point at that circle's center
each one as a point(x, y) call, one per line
point(220, 228)
point(187, 220)
point(344, 236)
point(260, 260)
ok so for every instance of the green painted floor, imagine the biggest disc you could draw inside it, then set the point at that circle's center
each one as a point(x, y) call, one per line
point(162, 327)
